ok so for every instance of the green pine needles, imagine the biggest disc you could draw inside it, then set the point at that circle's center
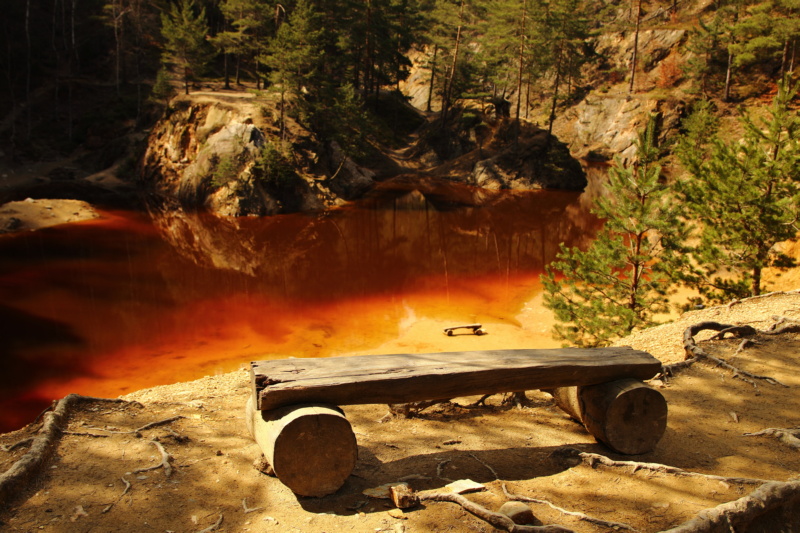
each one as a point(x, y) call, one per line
point(623, 279)
point(743, 198)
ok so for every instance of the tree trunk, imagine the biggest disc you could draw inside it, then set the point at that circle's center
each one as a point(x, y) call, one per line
point(521, 56)
point(635, 45)
point(449, 89)
point(555, 99)
point(433, 75)
point(728, 70)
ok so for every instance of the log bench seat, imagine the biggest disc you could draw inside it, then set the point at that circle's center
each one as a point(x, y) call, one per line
point(294, 414)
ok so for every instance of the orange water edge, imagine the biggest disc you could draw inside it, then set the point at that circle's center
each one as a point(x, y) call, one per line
point(226, 334)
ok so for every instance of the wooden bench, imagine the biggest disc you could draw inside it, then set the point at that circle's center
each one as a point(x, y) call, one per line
point(294, 415)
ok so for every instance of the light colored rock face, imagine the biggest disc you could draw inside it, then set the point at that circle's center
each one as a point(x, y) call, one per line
point(205, 153)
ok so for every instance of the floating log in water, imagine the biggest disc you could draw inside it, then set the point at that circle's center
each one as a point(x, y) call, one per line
point(626, 415)
point(311, 448)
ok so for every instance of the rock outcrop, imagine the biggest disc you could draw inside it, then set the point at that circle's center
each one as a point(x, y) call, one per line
point(221, 154)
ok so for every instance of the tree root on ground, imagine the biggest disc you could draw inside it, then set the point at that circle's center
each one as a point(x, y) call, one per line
point(124, 492)
point(575, 514)
point(213, 526)
point(166, 461)
point(738, 514)
point(788, 436)
point(411, 409)
point(29, 465)
point(694, 353)
point(138, 431)
point(769, 496)
point(594, 459)
point(500, 521)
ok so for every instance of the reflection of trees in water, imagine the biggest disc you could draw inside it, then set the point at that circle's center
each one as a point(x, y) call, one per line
point(414, 235)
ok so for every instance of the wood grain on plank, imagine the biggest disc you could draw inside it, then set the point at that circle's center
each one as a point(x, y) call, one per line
point(403, 378)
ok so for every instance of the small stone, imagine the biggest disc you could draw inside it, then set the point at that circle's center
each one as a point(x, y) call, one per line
point(518, 512)
point(462, 486)
point(396, 513)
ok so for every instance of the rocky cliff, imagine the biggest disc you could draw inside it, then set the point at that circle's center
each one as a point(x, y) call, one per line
point(221, 153)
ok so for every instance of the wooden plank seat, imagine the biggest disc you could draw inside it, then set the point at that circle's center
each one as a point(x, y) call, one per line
point(294, 416)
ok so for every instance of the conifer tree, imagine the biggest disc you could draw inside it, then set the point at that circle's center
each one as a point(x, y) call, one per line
point(623, 278)
point(744, 197)
point(295, 58)
point(184, 29)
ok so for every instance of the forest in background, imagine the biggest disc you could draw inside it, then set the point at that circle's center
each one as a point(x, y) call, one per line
point(326, 60)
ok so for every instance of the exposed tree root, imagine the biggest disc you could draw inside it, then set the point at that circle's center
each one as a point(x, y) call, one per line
point(213, 526)
point(738, 514)
point(249, 509)
point(575, 514)
point(409, 410)
point(788, 436)
point(594, 459)
point(767, 295)
point(29, 465)
point(138, 431)
point(500, 521)
point(124, 492)
point(166, 461)
point(18, 444)
point(694, 353)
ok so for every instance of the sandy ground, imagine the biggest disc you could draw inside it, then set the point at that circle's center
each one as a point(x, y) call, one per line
point(83, 488)
point(30, 214)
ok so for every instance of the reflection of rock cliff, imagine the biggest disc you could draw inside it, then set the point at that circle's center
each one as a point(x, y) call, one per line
point(407, 231)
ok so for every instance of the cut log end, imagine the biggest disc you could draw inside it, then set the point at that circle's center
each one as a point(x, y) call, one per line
point(312, 448)
point(626, 415)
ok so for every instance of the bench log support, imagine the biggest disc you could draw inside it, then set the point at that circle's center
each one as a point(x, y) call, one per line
point(310, 447)
point(626, 415)
point(293, 414)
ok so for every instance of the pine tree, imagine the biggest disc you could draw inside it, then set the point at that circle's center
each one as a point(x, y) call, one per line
point(184, 29)
point(744, 197)
point(295, 59)
point(625, 275)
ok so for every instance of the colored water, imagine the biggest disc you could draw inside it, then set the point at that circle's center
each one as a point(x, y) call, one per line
point(129, 301)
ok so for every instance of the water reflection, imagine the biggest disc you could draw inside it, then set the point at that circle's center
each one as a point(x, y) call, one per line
point(113, 305)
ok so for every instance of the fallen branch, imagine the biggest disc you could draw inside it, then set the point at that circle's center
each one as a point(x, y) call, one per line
point(575, 514)
point(166, 460)
point(787, 436)
point(124, 492)
point(738, 514)
point(593, 459)
point(42, 446)
point(213, 526)
point(500, 521)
